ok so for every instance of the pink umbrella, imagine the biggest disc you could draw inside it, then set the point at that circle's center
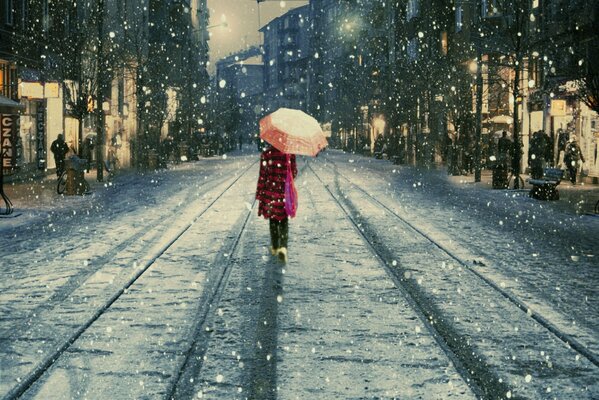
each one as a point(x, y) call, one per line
point(293, 132)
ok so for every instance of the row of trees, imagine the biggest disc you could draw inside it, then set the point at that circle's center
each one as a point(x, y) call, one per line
point(429, 66)
point(91, 46)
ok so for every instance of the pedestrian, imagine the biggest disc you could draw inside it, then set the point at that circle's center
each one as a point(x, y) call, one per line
point(536, 154)
point(59, 148)
point(562, 141)
point(86, 152)
point(504, 145)
point(271, 195)
point(572, 157)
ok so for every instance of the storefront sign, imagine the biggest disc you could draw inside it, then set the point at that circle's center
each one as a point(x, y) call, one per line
point(9, 125)
point(40, 138)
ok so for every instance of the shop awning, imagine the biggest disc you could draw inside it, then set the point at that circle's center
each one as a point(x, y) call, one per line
point(8, 106)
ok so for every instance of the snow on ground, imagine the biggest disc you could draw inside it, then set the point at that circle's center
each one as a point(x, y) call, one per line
point(330, 324)
point(543, 251)
point(504, 339)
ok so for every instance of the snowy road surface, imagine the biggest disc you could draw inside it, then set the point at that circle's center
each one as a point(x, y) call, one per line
point(400, 284)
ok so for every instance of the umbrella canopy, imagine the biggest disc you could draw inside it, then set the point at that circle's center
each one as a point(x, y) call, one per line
point(293, 132)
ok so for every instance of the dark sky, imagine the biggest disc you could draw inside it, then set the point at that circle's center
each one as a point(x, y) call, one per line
point(242, 19)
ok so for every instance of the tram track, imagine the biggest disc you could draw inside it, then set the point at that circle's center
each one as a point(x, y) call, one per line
point(417, 303)
point(98, 262)
point(26, 382)
point(483, 380)
point(261, 382)
point(566, 338)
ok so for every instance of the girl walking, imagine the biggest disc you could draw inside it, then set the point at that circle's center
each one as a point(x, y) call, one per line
point(271, 196)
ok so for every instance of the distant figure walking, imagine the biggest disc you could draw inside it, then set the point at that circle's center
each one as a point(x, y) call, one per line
point(60, 149)
point(504, 146)
point(271, 195)
point(572, 156)
point(536, 154)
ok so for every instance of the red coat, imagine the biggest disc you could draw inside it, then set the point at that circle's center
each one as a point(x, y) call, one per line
point(271, 183)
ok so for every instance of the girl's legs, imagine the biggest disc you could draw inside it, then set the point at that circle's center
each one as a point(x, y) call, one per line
point(279, 232)
point(274, 233)
point(283, 232)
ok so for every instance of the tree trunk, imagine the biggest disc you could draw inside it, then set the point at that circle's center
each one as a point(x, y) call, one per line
point(517, 143)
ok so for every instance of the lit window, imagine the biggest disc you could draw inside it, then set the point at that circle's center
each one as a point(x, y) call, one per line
point(444, 44)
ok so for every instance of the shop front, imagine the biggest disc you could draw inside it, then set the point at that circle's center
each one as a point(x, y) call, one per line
point(41, 122)
point(9, 146)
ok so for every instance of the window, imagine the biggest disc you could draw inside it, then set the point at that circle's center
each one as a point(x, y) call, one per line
point(413, 49)
point(413, 9)
point(8, 12)
point(121, 95)
point(444, 44)
point(3, 72)
point(458, 18)
point(535, 3)
point(46, 16)
point(24, 13)
point(488, 8)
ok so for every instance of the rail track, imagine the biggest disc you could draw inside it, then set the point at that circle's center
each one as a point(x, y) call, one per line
point(209, 297)
point(482, 379)
point(109, 256)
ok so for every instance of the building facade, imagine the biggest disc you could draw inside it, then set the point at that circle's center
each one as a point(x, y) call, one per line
point(243, 80)
point(135, 69)
point(286, 55)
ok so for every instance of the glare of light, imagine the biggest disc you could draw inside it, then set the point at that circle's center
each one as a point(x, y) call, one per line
point(473, 66)
point(379, 124)
point(531, 83)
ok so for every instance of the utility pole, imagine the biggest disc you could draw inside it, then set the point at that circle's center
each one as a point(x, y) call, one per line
point(521, 39)
point(101, 118)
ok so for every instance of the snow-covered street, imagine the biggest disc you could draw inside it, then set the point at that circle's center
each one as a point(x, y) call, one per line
point(401, 283)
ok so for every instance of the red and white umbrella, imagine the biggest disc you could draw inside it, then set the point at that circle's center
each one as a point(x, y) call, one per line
point(293, 132)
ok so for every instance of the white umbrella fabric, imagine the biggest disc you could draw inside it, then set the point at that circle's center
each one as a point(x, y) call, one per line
point(293, 132)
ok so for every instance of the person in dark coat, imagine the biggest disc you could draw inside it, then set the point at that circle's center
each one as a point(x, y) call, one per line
point(271, 196)
point(59, 148)
point(536, 154)
point(572, 157)
point(504, 147)
point(86, 152)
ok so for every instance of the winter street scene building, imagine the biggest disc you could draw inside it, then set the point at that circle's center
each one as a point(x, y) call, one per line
point(301, 199)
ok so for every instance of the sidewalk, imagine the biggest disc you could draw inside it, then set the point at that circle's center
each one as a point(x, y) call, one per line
point(579, 198)
point(37, 199)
